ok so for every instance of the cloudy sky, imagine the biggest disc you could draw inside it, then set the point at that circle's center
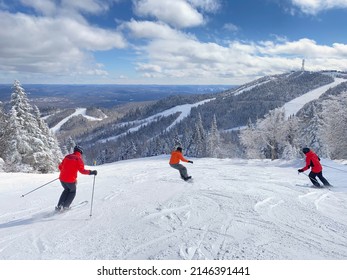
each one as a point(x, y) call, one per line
point(168, 41)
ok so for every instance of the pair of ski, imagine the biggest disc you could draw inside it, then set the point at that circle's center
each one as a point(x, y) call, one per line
point(62, 211)
point(313, 186)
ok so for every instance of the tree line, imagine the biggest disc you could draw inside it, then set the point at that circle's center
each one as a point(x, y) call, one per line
point(27, 144)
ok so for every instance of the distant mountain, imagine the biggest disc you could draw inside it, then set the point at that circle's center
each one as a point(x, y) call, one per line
point(156, 127)
point(106, 96)
point(205, 122)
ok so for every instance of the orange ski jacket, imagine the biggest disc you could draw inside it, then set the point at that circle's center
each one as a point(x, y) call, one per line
point(176, 156)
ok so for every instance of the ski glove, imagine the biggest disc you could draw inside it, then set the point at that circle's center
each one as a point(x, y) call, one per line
point(93, 172)
point(300, 170)
point(189, 161)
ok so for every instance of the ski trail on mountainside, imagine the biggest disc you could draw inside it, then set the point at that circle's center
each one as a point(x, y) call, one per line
point(293, 106)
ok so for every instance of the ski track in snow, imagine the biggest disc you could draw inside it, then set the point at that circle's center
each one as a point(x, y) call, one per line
point(234, 209)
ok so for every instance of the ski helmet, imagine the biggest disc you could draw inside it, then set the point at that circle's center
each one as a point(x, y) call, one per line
point(305, 150)
point(78, 148)
point(179, 149)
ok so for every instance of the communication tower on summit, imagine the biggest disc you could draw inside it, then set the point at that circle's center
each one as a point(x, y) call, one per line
point(303, 65)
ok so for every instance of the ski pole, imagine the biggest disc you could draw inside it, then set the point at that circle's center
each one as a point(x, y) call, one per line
point(91, 205)
point(334, 168)
point(309, 177)
point(40, 187)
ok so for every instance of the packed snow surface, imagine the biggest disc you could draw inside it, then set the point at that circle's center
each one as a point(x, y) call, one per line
point(233, 209)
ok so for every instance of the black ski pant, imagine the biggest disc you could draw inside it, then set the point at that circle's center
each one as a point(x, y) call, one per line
point(314, 181)
point(182, 169)
point(68, 194)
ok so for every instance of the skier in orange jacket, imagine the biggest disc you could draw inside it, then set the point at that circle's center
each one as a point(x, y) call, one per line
point(176, 157)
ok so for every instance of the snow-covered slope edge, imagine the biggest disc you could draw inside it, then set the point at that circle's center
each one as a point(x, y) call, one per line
point(234, 209)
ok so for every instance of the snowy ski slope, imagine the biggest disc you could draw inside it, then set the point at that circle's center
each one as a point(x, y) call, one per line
point(234, 209)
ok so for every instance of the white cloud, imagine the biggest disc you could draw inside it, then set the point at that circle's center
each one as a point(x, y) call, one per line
point(88, 6)
point(52, 45)
point(315, 6)
point(46, 7)
point(178, 13)
point(305, 48)
point(211, 6)
point(59, 42)
point(67, 7)
point(170, 55)
point(153, 30)
point(230, 27)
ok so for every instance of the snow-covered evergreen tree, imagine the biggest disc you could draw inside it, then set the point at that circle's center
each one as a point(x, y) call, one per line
point(18, 145)
point(48, 138)
point(31, 147)
point(177, 141)
point(213, 140)
point(3, 131)
point(272, 128)
point(157, 148)
point(292, 148)
point(198, 147)
point(272, 137)
point(70, 144)
point(334, 130)
point(131, 150)
point(312, 130)
point(250, 139)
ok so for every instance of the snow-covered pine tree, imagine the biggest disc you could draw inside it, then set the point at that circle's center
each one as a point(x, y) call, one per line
point(187, 139)
point(50, 141)
point(335, 126)
point(213, 140)
point(131, 150)
point(312, 129)
point(177, 141)
point(17, 145)
point(292, 147)
point(2, 137)
point(3, 130)
point(198, 147)
point(156, 148)
point(269, 137)
point(251, 141)
point(70, 144)
point(272, 128)
point(30, 148)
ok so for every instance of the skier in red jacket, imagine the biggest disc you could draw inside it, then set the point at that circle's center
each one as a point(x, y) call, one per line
point(69, 167)
point(313, 162)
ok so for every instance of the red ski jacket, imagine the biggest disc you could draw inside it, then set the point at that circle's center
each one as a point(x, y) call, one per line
point(69, 167)
point(312, 160)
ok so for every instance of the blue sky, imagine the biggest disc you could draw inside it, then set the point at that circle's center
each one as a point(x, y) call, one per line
point(168, 41)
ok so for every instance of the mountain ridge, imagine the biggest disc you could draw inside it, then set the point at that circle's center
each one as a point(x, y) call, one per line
point(233, 108)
